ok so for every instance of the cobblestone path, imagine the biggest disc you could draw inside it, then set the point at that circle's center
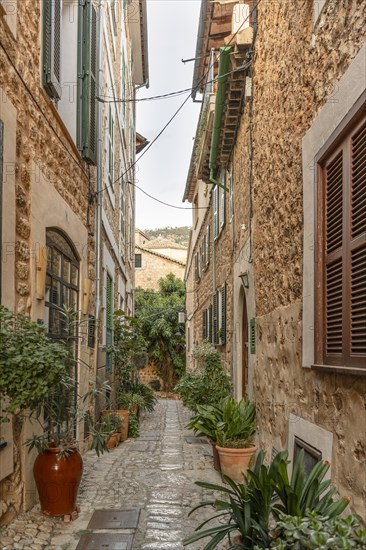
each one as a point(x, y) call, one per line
point(154, 473)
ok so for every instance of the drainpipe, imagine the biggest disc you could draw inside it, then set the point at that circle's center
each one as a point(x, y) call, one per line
point(98, 227)
point(219, 109)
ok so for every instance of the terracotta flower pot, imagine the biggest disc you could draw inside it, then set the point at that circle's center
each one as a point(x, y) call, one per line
point(113, 441)
point(124, 415)
point(58, 481)
point(234, 462)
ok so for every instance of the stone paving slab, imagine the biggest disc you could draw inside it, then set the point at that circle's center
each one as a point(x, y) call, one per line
point(159, 480)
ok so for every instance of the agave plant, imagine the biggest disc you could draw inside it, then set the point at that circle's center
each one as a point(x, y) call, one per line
point(268, 493)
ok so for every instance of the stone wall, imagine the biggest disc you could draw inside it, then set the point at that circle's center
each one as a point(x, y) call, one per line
point(296, 70)
point(44, 155)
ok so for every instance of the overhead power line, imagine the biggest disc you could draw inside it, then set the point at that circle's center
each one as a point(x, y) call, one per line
point(177, 112)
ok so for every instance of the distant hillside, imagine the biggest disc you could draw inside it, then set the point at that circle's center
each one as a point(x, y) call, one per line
point(178, 234)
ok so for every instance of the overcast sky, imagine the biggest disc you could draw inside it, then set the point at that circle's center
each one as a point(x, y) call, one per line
point(162, 171)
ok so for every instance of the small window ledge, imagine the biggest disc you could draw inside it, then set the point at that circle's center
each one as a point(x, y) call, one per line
point(350, 371)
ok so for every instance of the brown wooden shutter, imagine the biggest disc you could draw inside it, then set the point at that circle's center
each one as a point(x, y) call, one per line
point(333, 259)
point(358, 242)
point(341, 260)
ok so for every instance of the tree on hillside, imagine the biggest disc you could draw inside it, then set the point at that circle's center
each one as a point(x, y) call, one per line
point(157, 314)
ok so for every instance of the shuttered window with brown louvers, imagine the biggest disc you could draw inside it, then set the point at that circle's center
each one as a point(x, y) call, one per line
point(341, 253)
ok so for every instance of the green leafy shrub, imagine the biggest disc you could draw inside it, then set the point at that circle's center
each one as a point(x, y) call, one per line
point(31, 364)
point(209, 384)
point(314, 532)
point(133, 425)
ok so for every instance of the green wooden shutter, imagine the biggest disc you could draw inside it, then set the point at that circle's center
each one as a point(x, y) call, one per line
point(215, 211)
point(111, 147)
point(222, 201)
point(204, 324)
point(51, 74)
point(252, 336)
point(87, 133)
point(223, 315)
point(109, 322)
point(215, 339)
point(207, 245)
point(210, 325)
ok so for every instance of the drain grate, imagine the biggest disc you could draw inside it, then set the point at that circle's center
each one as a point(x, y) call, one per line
point(115, 519)
point(195, 440)
point(105, 541)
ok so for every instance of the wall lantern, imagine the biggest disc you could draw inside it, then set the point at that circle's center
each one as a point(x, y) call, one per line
point(245, 279)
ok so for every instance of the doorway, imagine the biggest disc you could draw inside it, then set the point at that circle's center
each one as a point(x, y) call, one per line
point(244, 348)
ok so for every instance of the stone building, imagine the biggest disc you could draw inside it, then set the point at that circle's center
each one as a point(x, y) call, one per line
point(66, 208)
point(157, 258)
point(276, 265)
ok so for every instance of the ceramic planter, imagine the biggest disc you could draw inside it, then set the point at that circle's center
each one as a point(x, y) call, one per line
point(124, 415)
point(57, 480)
point(113, 440)
point(234, 462)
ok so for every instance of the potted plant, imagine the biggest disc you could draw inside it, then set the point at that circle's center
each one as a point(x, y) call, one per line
point(112, 424)
point(233, 437)
point(58, 466)
point(252, 512)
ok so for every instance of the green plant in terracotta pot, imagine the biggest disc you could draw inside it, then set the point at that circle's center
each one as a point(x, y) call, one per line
point(233, 436)
point(58, 466)
point(112, 424)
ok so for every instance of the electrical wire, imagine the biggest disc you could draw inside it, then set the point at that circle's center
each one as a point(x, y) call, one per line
point(42, 112)
point(109, 99)
point(176, 113)
point(166, 203)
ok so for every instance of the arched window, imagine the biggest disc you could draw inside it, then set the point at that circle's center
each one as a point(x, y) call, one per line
point(62, 281)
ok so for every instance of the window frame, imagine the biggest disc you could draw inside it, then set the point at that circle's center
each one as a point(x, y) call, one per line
point(339, 140)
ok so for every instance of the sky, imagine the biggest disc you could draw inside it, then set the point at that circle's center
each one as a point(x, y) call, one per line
point(162, 171)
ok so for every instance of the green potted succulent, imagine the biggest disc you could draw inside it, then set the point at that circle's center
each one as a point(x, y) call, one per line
point(112, 424)
point(251, 514)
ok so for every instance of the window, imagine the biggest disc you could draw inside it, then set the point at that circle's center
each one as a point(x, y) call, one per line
point(138, 260)
point(219, 206)
point(341, 252)
point(207, 324)
point(62, 282)
point(219, 316)
point(111, 148)
point(109, 322)
point(311, 455)
point(123, 215)
point(52, 16)
point(69, 54)
point(231, 191)
point(195, 211)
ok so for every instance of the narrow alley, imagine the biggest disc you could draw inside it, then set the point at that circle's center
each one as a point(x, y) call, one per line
point(153, 474)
